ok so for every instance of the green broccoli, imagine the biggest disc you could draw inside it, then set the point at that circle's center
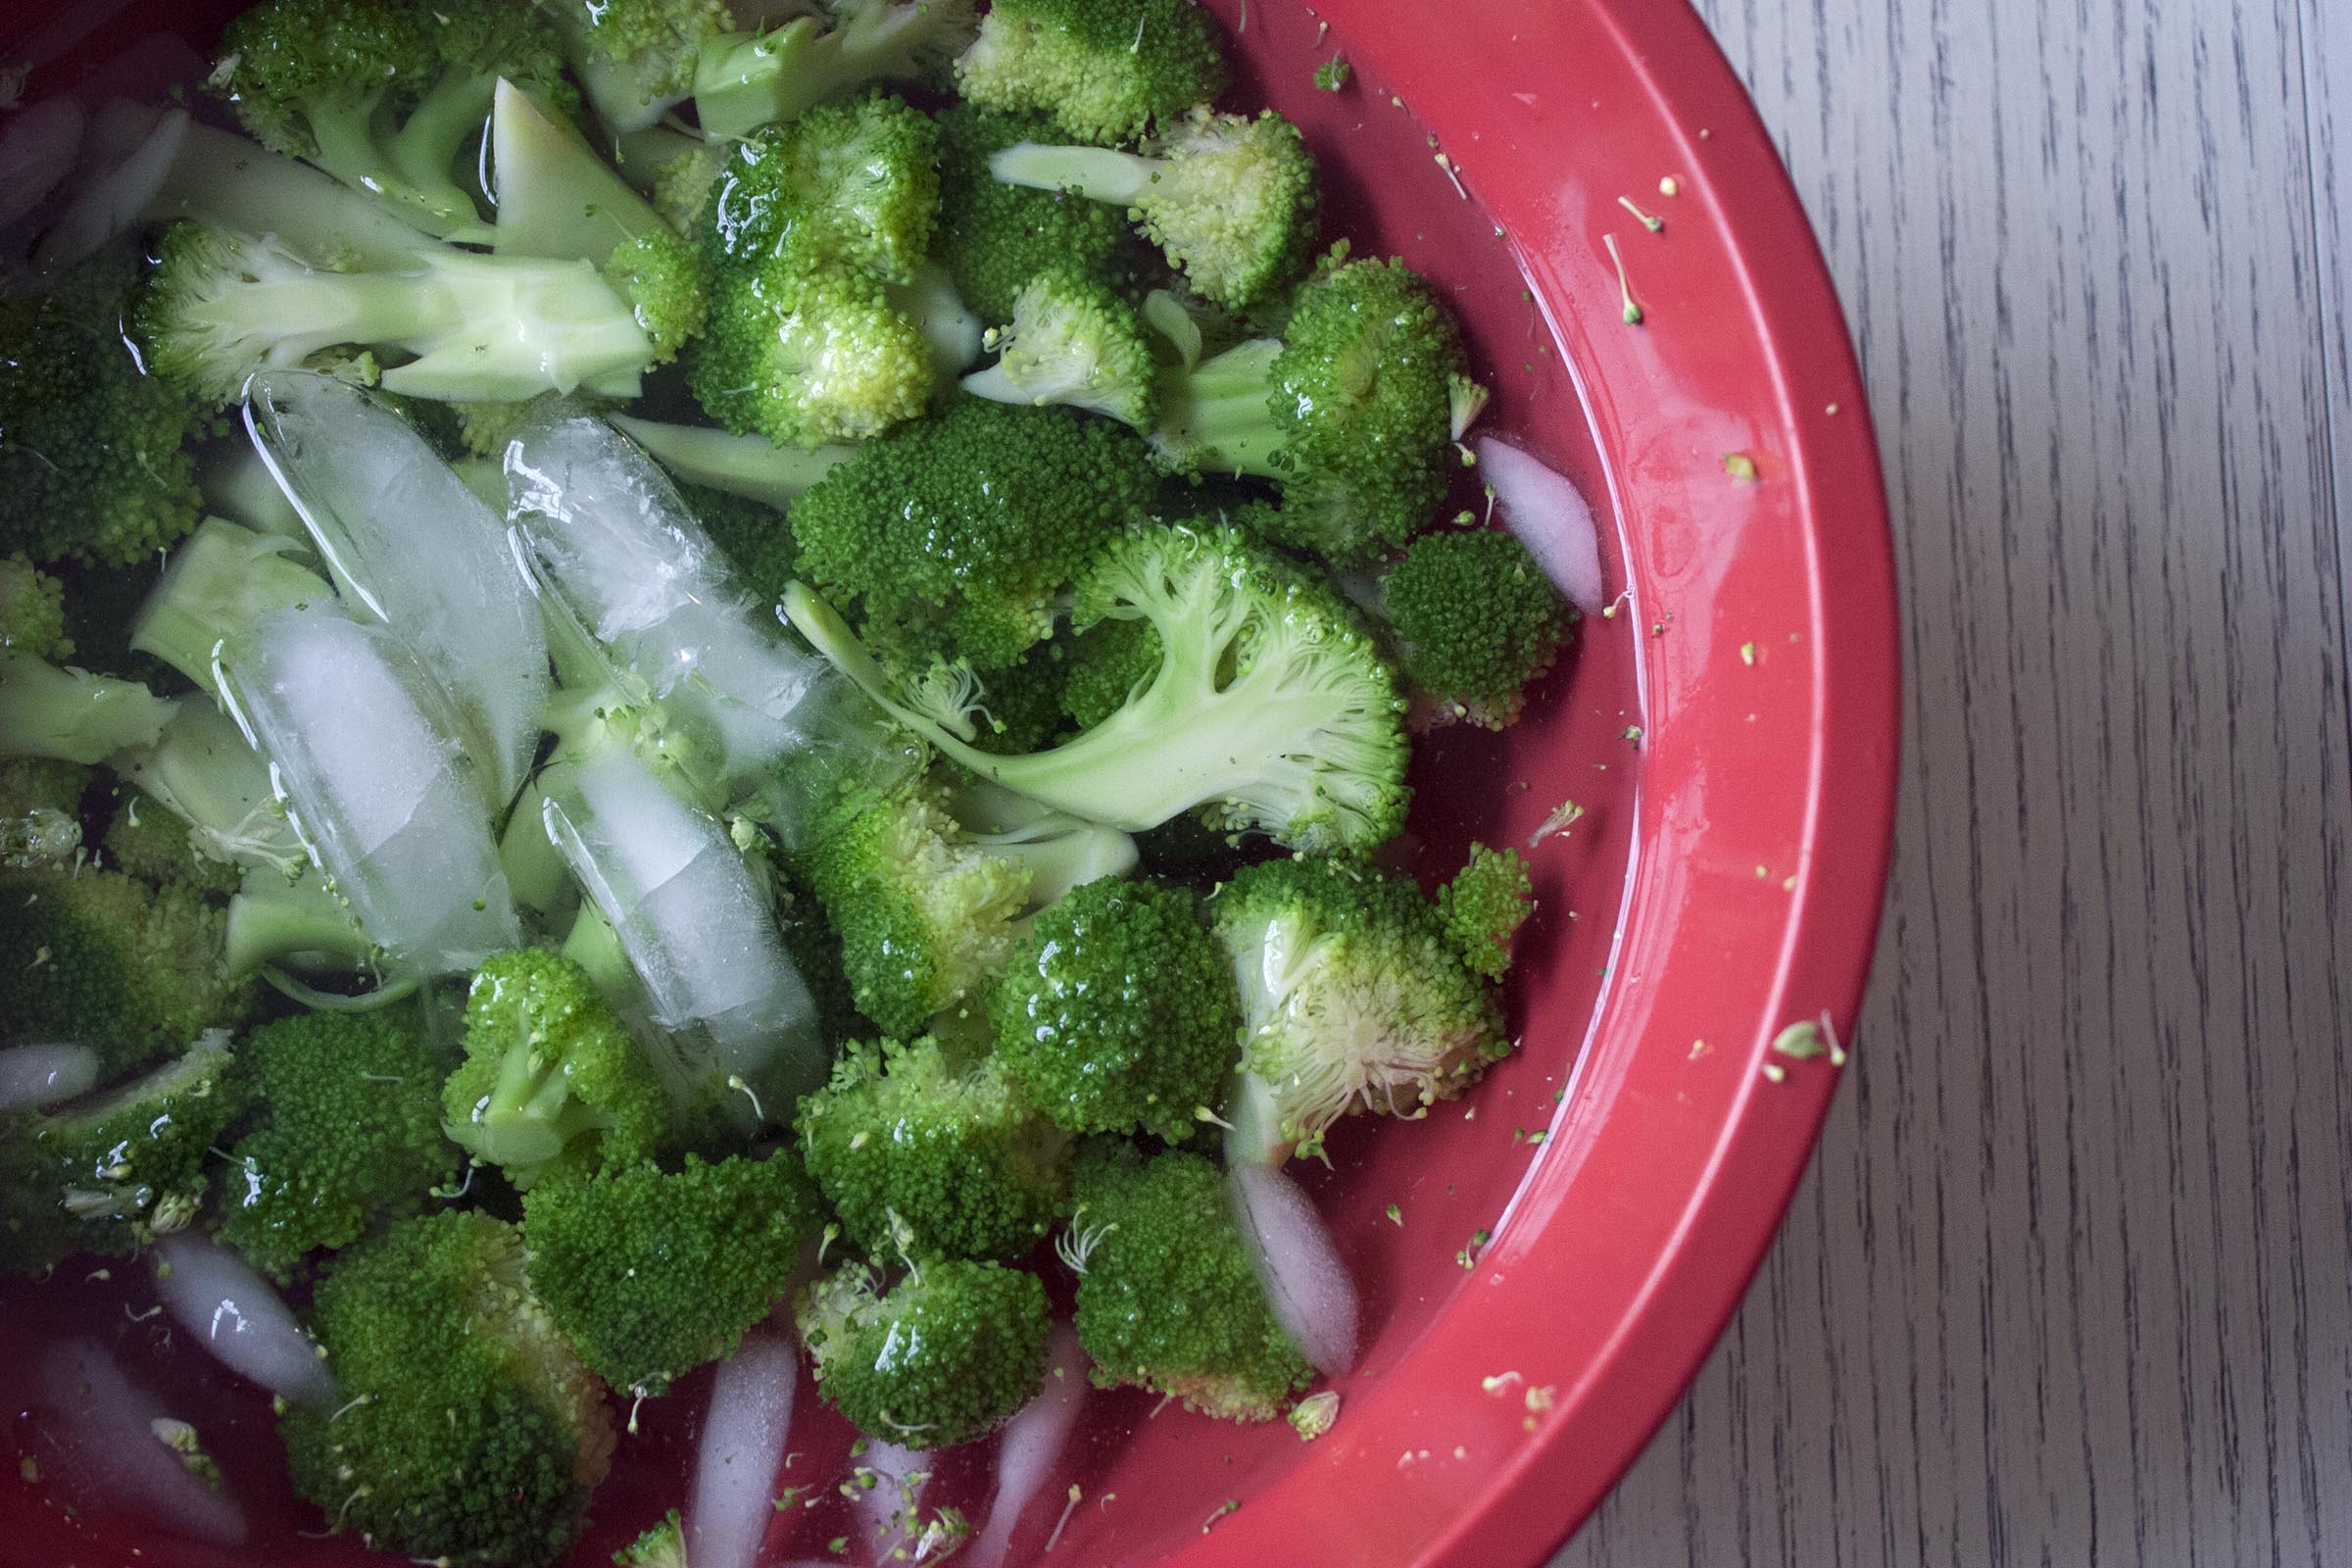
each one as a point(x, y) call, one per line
point(1359, 993)
point(73, 715)
point(110, 1172)
point(102, 958)
point(1018, 708)
point(552, 1081)
point(1103, 68)
point(1477, 620)
point(1333, 74)
point(855, 183)
point(939, 1358)
point(662, 1546)
point(1116, 1012)
point(961, 535)
point(1167, 1298)
point(1072, 341)
point(1489, 899)
point(808, 353)
point(33, 611)
point(650, 1273)
point(910, 1145)
point(40, 810)
point(1230, 197)
point(344, 1133)
point(94, 464)
point(1109, 662)
point(385, 94)
point(747, 467)
point(995, 238)
point(147, 840)
point(1269, 703)
point(744, 83)
point(469, 1431)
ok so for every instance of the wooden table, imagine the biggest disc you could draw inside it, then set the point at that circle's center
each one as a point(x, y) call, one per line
point(2071, 1280)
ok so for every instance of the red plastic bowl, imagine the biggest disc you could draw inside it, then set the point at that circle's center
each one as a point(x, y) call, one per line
point(1730, 730)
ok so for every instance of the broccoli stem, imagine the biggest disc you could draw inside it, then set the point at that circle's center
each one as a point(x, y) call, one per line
point(555, 197)
point(221, 579)
point(201, 770)
point(748, 466)
point(71, 714)
point(531, 1115)
point(294, 922)
point(947, 323)
point(1219, 416)
point(740, 83)
point(410, 166)
point(224, 181)
point(1097, 173)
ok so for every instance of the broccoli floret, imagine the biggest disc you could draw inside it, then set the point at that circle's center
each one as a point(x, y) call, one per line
point(112, 1171)
point(149, 842)
point(384, 95)
point(1489, 899)
point(1333, 74)
point(1269, 705)
point(102, 958)
point(1356, 994)
point(1477, 620)
point(344, 1135)
point(474, 328)
point(469, 1429)
point(1167, 1298)
point(73, 715)
point(913, 1147)
point(1116, 1012)
point(33, 611)
point(222, 581)
point(93, 456)
point(1230, 197)
point(1072, 341)
point(806, 353)
point(1103, 68)
point(662, 1546)
point(651, 1273)
point(961, 535)
point(749, 468)
point(1350, 411)
point(552, 1081)
point(938, 1359)
point(855, 183)
point(1109, 662)
point(995, 238)
point(744, 83)
point(40, 810)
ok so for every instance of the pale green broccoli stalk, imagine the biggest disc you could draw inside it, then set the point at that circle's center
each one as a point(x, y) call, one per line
point(1269, 703)
point(556, 196)
point(651, 1273)
point(33, 611)
point(1116, 1012)
point(939, 1358)
point(343, 1133)
point(110, 1172)
point(853, 183)
point(72, 715)
point(552, 1082)
point(1103, 68)
point(1477, 620)
point(1167, 1297)
point(913, 1147)
point(808, 355)
point(744, 83)
point(218, 584)
point(930, 300)
point(995, 238)
point(1072, 341)
point(748, 466)
point(294, 921)
point(469, 1429)
point(1230, 197)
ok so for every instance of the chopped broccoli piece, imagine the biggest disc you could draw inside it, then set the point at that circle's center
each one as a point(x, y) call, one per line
point(73, 715)
point(855, 183)
point(201, 778)
point(147, 840)
point(1072, 341)
point(1230, 197)
point(40, 810)
point(938, 1359)
point(806, 353)
point(33, 611)
point(469, 1429)
point(1483, 906)
point(1103, 68)
point(913, 1147)
point(344, 1133)
point(552, 1081)
point(1333, 74)
point(743, 84)
point(220, 583)
point(1167, 1298)
point(995, 238)
point(1477, 620)
point(652, 1273)
point(1269, 703)
point(747, 467)
point(1116, 1012)
point(662, 1546)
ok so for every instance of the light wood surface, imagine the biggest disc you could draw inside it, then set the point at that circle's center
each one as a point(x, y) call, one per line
point(2068, 1281)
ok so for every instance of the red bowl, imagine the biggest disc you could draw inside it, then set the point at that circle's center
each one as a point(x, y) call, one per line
point(1570, 1238)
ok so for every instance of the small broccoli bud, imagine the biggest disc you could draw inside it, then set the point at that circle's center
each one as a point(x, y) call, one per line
point(808, 353)
point(855, 183)
point(1483, 906)
point(1333, 74)
point(939, 1358)
point(1478, 621)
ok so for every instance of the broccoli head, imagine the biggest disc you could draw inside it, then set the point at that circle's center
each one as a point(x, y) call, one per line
point(344, 1133)
point(651, 1273)
point(1477, 619)
point(33, 611)
point(806, 353)
point(1489, 899)
point(1074, 342)
point(1167, 1298)
point(1105, 70)
point(469, 1431)
point(995, 238)
point(910, 1145)
point(855, 183)
point(1117, 1012)
point(938, 1359)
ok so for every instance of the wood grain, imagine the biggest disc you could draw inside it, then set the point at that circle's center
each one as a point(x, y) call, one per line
point(2071, 1281)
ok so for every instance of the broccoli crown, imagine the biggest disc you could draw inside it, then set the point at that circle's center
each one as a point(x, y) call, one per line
point(662, 1546)
point(969, 528)
point(814, 948)
point(1072, 341)
point(471, 1431)
point(112, 1171)
point(33, 611)
point(911, 1146)
point(105, 959)
point(627, 29)
point(147, 840)
point(652, 1272)
point(1167, 1298)
point(666, 279)
point(1117, 1012)
point(940, 1358)
point(1354, 994)
point(344, 1132)
point(551, 1080)
point(806, 353)
point(93, 458)
point(995, 238)
point(1109, 662)
point(298, 69)
point(1483, 906)
point(855, 183)
point(923, 914)
point(40, 810)
point(1103, 68)
point(1477, 619)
